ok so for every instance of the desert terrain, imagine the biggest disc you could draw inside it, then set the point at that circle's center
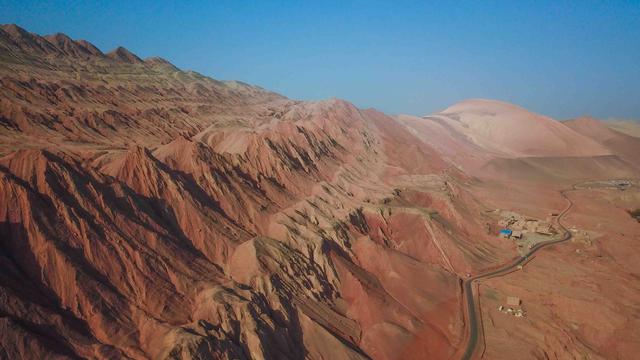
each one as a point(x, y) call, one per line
point(152, 212)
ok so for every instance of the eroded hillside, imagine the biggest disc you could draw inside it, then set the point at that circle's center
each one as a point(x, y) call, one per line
point(149, 212)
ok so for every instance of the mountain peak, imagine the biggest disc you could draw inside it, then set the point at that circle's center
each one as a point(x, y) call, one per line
point(58, 37)
point(13, 29)
point(483, 105)
point(16, 34)
point(511, 130)
point(68, 46)
point(158, 61)
point(16, 38)
point(122, 54)
point(90, 47)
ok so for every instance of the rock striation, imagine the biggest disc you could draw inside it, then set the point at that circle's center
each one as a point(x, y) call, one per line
point(150, 212)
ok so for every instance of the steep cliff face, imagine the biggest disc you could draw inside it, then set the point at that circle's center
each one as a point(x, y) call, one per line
point(148, 212)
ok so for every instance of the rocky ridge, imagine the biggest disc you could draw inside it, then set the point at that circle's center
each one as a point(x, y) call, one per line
point(158, 213)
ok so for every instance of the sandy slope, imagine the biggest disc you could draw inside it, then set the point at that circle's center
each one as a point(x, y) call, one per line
point(499, 140)
point(631, 128)
point(625, 146)
point(515, 132)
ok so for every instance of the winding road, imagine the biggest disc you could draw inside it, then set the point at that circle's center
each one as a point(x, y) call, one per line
point(472, 304)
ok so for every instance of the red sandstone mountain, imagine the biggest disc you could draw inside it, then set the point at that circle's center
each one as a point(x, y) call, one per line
point(150, 212)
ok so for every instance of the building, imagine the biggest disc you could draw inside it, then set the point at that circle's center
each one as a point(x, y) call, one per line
point(505, 233)
point(545, 229)
point(513, 301)
point(516, 234)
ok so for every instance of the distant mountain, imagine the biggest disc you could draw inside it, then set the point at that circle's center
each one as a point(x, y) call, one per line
point(627, 127)
point(623, 145)
point(497, 139)
point(511, 130)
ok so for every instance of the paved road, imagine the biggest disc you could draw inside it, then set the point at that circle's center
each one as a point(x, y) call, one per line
point(472, 307)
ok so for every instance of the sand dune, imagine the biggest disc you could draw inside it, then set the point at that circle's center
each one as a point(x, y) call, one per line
point(515, 132)
point(499, 140)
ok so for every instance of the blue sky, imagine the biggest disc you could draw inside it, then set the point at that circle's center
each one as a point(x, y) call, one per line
point(560, 58)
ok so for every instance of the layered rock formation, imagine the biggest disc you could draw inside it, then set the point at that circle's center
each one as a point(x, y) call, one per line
point(149, 212)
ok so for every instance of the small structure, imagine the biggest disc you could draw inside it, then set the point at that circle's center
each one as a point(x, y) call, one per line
point(545, 229)
point(505, 233)
point(622, 185)
point(513, 301)
point(530, 224)
point(516, 234)
point(517, 312)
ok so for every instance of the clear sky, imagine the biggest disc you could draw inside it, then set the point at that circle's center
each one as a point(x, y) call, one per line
point(560, 58)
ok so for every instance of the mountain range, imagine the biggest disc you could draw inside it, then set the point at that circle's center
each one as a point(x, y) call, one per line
point(151, 212)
